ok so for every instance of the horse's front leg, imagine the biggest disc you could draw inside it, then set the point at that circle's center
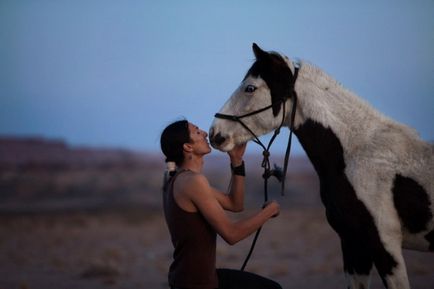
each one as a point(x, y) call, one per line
point(392, 272)
point(358, 263)
point(360, 255)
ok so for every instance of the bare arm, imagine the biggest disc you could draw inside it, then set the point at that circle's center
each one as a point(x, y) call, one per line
point(202, 196)
point(234, 201)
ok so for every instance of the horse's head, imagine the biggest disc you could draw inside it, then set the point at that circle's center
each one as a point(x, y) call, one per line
point(268, 82)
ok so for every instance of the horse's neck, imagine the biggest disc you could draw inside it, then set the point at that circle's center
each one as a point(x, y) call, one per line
point(335, 127)
point(324, 101)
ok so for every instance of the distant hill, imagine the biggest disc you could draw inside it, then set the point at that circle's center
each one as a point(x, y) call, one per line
point(38, 151)
point(39, 175)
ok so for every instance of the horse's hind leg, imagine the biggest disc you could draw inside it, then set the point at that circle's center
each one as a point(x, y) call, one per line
point(358, 263)
point(356, 281)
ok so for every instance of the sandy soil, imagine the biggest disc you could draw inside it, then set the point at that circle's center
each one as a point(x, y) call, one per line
point(132, 250)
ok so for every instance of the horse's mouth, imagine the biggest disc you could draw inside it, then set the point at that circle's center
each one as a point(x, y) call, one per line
point(224, 146)
point(227, 142)
point(219, 147)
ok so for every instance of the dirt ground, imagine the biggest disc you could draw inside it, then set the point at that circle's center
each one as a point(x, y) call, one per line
point(132, 250)
point(48, 241)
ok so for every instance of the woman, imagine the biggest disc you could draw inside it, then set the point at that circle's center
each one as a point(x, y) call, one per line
point(195, 213)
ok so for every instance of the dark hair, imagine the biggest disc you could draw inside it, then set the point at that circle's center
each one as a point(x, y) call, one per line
point(173, 137)
point(172, 141)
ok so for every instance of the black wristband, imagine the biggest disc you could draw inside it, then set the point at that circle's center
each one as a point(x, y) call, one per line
point(239, 170)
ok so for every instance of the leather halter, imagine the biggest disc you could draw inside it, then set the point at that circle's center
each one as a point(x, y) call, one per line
point(265, 164)
point(277, 172)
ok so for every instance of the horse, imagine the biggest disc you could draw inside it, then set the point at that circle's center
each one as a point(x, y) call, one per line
point(376, 175)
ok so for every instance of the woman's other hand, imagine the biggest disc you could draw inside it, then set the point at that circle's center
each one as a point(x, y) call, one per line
point(237, 153)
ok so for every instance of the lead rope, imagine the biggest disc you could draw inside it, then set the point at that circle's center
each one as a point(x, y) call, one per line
point(275, 172)
point(266, 161)
point(266, 175)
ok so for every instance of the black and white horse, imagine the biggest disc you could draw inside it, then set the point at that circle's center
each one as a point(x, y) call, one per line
point(376, 175)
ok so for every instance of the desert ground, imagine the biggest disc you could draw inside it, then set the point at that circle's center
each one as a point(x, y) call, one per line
point(132, 250)
point(87, 223)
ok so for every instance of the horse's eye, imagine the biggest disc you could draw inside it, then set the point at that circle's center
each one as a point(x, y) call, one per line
point(250, 88)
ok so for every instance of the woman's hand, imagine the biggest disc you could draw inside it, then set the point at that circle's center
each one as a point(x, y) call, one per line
point(236, 154)
point(273, 207)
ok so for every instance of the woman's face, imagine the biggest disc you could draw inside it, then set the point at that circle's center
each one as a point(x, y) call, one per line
point(198, 138)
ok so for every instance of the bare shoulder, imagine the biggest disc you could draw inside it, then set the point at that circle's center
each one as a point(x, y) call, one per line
point(192, 182)
point(190, 189)
point(193, 190)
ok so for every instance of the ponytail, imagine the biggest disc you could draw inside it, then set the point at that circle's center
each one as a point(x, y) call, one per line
point(168, 174)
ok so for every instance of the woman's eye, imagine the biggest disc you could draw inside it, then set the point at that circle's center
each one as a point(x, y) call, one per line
point(250, 88)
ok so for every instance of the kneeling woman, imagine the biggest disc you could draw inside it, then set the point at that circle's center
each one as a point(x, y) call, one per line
point(195, 213)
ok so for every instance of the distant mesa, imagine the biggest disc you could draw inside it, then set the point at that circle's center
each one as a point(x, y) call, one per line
point(22, 152)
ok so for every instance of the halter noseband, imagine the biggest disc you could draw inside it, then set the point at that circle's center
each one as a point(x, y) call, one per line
point(237, 118)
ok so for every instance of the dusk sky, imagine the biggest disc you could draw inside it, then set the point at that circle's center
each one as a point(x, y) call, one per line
point(115, 73)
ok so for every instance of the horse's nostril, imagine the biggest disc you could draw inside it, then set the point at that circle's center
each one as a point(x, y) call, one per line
point(219, 139)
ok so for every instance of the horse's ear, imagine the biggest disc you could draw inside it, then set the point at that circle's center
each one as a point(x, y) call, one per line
point(259, 53)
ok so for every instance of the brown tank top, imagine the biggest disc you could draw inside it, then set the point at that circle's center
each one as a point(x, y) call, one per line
point(194, 241)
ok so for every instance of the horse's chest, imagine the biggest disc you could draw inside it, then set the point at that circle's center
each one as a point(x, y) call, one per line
point(345, 212)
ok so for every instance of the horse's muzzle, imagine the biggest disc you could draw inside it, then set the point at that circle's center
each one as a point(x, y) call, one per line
point(216, 139)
